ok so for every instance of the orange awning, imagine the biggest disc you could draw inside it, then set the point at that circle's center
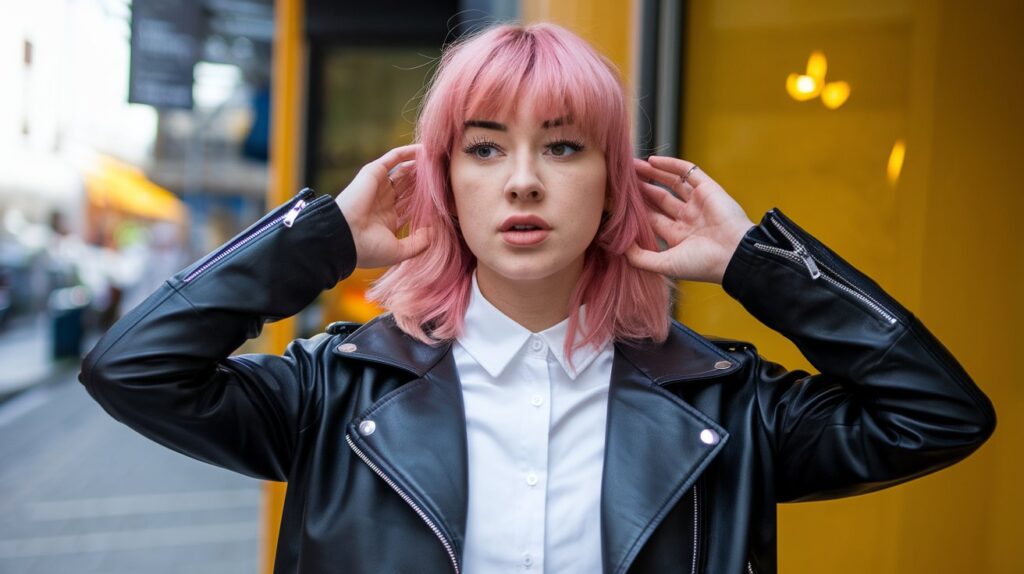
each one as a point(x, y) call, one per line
point(121, 187)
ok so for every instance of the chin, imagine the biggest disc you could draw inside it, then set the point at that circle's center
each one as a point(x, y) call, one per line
point(526, 267)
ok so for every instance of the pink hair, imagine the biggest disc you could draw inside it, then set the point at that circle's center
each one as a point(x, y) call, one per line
point(485, 76)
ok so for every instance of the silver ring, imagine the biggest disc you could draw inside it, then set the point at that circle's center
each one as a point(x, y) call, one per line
point(687, 176)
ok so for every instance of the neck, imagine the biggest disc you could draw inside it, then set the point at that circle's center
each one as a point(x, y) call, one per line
point(536, 304)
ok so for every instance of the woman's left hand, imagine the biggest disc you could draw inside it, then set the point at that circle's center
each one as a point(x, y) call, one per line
point(701, 223)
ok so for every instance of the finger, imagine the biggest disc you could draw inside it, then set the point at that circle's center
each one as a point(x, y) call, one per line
point(398, 155)
point(671, 205)
point(414, 244)
point(665, 228)
point(665, 178)
point(403, 169)
point(655, 261)
point(681, 168)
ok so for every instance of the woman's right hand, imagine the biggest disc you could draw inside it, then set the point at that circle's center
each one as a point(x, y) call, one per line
point(368, 204)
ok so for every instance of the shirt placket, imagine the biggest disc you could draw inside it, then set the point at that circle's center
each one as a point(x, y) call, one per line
point(537, 400)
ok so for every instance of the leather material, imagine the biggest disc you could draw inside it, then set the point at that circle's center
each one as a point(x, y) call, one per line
point(704, 435)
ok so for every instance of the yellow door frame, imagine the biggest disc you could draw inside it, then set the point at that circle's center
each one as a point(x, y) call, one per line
point(285, 133)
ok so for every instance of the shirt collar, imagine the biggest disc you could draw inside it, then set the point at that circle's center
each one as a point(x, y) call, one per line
point(493, 339)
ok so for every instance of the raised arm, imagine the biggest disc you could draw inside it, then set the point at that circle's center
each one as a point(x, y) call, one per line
point(890, 402)
point(164, 369)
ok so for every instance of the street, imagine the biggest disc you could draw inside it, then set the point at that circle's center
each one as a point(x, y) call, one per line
point(80, 492)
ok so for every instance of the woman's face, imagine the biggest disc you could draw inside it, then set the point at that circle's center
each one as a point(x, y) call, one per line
point(523, 166)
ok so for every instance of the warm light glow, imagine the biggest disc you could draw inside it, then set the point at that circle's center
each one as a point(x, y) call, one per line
point(834, 94)
point(817, 65)
point(892, 171)
point(802, 88)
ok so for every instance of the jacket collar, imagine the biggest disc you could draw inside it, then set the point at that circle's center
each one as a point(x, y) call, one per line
point(657, 445)
point(683, 356)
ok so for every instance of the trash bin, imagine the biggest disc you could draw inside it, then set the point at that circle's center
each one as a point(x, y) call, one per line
point(66, 307)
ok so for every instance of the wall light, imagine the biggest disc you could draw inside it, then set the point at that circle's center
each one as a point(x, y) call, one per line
point(895, 166)
point(807, 86)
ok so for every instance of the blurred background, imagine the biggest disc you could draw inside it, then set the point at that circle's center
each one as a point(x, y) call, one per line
point(136, 136)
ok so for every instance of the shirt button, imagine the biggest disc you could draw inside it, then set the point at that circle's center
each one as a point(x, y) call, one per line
point(536, 400)
point(537, 344)
point(531, 479)
point(527, 560)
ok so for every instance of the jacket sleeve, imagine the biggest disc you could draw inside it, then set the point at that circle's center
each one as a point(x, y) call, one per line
point(164, 368)
point(890, 403)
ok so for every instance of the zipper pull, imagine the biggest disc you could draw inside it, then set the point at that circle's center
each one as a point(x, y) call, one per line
point(289, 218)
point(808, 261)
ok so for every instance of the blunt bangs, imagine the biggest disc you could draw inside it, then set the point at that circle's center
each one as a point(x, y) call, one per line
point(561, 81)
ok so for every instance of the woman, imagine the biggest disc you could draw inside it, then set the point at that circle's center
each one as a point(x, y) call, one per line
point(527, 404)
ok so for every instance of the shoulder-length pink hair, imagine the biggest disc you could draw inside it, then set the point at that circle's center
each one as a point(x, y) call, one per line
point(563, 76)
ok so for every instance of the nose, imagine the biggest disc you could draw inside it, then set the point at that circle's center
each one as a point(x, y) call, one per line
point(524, 184)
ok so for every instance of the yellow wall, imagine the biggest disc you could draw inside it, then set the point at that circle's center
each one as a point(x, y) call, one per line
point(944, 76)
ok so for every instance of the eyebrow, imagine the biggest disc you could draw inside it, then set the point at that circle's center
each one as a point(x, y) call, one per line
point(489, 125)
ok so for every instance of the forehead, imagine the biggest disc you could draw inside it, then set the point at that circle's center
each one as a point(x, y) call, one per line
point(517, 121)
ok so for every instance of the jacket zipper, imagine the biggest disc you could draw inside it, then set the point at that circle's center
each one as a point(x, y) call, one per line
point(800, 254)
point(696, 527)
point(750, 567)
point(408, 499)
point(287, 217)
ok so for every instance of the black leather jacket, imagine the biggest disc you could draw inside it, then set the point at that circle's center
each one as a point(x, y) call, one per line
point(704, 435)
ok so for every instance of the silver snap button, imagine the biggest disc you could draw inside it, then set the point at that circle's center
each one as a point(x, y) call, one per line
point(366, 428)
point(708, 436)
point(347, 347)
point(723, 365)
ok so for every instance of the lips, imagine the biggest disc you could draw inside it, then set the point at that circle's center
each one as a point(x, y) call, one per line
point(524, 230)
point(524, 223)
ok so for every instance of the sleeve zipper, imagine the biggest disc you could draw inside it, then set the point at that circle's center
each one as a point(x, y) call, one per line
point(814, 266)
point(286, 214)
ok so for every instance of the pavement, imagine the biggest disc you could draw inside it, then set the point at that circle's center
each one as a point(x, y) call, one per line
point(80, 492)
point(25, 355)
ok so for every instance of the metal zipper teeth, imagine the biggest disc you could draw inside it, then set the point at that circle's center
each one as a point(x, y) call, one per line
point(850, 288)
point(408, 499)
point(300, 203)
point(696, 527)
point(888, 316)
point(867, 301)
point(750, 567)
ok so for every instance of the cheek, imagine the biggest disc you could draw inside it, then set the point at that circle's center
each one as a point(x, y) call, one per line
point(592, 185)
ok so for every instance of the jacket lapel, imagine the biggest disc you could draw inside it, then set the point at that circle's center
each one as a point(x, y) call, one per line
point(419, 429)
point(656, 446)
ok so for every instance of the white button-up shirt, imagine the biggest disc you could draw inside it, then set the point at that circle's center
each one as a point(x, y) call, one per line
point(536, 436)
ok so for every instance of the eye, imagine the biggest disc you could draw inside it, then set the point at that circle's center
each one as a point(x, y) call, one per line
point(565, 148)
point(482, 149)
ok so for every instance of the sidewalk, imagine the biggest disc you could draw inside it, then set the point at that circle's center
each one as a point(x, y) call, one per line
point(25, 350)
